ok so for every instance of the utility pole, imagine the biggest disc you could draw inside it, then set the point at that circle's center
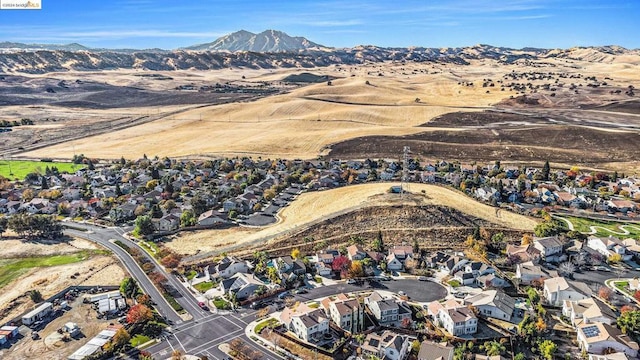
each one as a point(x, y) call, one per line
point(404, 185)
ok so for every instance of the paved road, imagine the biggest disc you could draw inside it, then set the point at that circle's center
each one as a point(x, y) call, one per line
point(102, 238)
point(204, 333)
point(182, 295)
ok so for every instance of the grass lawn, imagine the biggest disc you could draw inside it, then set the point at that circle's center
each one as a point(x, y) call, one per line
point(622, 285)
point(220, 304)
point(191, 274)
point(584, 225)
point(20, 169)
point(454, 283)
point(10, 269)
point(270, 322)
point(139, 340)
point(204, 286)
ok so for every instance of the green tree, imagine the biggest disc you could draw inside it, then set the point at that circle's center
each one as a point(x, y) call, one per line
point(199, 205)
point(494, 348)
point(35, 296)
point(129, 288)
point(629, 322)
point(187, 219)
point(156, 212)
point(519, 356)
point(378, 244)
point(546, 169)
point(533, 295)
point(547, 349)
point(143, 225)
point(43, 183)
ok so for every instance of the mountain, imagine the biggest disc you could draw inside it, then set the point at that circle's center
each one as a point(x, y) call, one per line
point(43, 61)
point(268, 41)
point(20, 46)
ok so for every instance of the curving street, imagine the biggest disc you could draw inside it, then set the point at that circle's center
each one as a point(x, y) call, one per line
point(206, 331)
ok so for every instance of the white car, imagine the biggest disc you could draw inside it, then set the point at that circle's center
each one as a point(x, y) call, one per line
point(401, 293)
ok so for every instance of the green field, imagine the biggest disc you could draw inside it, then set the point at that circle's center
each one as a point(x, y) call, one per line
point(139, 340)
point(10, 269)
point(18, 169)
point(204, 286)
point(584, 226)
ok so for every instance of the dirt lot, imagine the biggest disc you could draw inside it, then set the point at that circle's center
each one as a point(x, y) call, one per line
point(318, 206)
point(97, 270)
point(50, 346)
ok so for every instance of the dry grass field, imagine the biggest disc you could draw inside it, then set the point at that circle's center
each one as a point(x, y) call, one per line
point(96, 270)
point(315, 206)
point(305, 121)
point(301, 123)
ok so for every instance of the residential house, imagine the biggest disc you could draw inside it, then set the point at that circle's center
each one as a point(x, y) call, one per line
point(210, 218)
point(458, 321)
point(491, 280)
point(387, 311)
point(243, 285)
point(455, 317)
point(588, 311)
point(633, 246)
point(609, 246)
point(433, 351)
point(402, 253)
point(522, 253)
point(168, 222)
point(557, 290)
point(387, 345)
point(394, 263)
point(619, 205)
point(527, 273)
point(356, 252)
point(495, 304)
point(287, 267)
point(437, 259)
point(551, 248)
point(598, 338)
point(322, 269)
point(227, 267)
point(345, 312)
point(307, 323)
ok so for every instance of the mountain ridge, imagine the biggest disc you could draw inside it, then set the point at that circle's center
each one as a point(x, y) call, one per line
point(276, 49)
point(266, 41)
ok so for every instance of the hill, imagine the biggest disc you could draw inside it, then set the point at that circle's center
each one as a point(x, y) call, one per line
point(266, 41)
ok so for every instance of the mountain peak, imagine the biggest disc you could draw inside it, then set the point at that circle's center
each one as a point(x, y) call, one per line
point(267, 41)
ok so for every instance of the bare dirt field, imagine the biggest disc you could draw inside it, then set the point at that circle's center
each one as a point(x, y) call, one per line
point(97, 270)
point(315, 207)
point(390, 99)
point(50, 346)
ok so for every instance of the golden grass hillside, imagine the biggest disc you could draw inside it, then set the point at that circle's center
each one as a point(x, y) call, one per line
point(314, 206)
point(299, 124)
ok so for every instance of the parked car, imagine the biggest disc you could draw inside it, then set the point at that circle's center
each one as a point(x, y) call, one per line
point(422, 278)
point(402, 293)
point(283, 295)
point(351, 281)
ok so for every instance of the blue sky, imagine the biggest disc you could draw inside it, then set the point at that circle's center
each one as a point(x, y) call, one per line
point(401, 23)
